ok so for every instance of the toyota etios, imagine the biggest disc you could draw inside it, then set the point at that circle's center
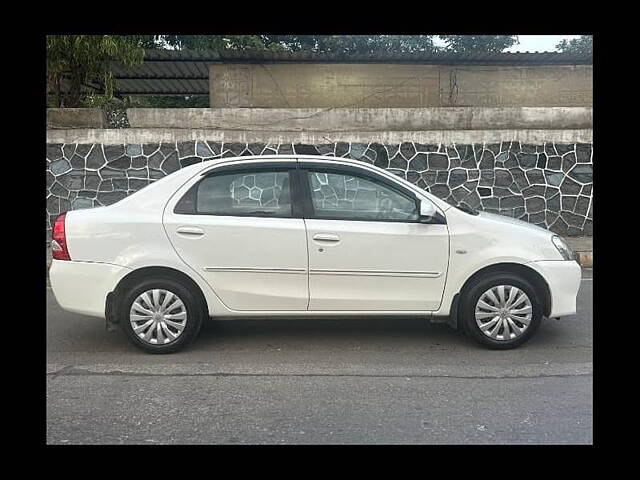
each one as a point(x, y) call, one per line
point(304, 235)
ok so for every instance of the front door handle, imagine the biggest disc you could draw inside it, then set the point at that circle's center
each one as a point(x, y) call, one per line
point(326, 237)
point(190, 231)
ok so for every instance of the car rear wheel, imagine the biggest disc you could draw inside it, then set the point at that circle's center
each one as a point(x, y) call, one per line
point(160, 315)
point(501, 310)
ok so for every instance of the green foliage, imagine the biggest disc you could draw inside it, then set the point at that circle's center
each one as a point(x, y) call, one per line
point(339, 43)
point(80, 61)
point(352, 43)
point(95, 100)
point(584, 44)
point(210, 42)
point(158, 101)
point(479, 43)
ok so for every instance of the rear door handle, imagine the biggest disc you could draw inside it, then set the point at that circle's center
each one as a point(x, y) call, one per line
point(326, 237)
point(190, 231)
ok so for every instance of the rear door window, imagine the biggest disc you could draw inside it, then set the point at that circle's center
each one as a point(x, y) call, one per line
point(246, 193)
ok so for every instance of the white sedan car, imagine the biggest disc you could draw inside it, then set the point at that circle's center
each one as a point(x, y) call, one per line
point(304, 236)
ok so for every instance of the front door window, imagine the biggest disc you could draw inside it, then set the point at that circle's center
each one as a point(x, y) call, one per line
point(350, 197)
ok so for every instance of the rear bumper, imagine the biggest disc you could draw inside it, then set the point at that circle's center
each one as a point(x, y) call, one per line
point(563, 278)
point(82, 287)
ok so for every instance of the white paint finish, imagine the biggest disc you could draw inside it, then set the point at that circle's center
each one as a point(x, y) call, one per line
point(488, 240)
point(129, 230)
point(394, 247)
point(395, 264)
point(231, 246)
point(564, 282)
point(369, 268)
point(239, 258)
point(82, 287)
point(130, 234)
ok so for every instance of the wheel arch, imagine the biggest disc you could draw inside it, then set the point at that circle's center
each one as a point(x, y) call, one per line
point(112, 303)
point(537, 281)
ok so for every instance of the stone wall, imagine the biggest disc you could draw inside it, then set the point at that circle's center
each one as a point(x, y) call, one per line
point(547, 183)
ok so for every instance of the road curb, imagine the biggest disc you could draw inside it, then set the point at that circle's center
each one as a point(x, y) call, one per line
point(583, 248)
point(585, 259)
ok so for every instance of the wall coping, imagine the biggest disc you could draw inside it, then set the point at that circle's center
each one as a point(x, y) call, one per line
point(334, 119)
point(66, 118)
point(363, 119)
point(155, 135)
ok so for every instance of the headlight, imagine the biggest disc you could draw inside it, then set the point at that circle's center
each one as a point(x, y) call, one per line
point(563, 248)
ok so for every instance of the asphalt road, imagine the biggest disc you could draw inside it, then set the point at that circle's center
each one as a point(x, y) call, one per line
point(362, 381)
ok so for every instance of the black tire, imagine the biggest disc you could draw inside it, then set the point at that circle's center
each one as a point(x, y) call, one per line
point(471, 295)
point(193, 307)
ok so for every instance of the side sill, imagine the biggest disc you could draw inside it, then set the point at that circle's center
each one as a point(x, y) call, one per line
point(452, 318)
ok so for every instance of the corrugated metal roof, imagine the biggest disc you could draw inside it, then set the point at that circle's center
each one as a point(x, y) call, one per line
point(538, 58)
point(174, 72)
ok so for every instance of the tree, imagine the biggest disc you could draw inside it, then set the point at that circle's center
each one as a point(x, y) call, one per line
point(83, 60)
point(478, 43)
point(169, 101)
point(584, 44)
point(294, 43)
point(210, 42)
point(352, 43)
point(339, 43)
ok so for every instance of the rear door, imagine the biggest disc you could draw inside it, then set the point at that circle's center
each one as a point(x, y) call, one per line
point(367, 249)
point(240, 229)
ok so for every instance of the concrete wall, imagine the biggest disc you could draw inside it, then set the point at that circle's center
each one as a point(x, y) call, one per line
point(448, 125)
point(75, 118)
point(397, 85)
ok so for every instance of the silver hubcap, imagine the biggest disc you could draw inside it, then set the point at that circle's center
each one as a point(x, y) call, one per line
point(503, 312)
point(158, 316)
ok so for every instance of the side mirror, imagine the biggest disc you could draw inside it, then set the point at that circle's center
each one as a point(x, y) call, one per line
point(427, 211)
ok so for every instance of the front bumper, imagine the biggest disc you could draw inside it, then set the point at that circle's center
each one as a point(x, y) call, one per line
point(563, 278)
point(82, 287)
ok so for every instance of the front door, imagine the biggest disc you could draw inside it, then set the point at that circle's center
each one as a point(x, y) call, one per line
point(239, 228)
point(367, 250)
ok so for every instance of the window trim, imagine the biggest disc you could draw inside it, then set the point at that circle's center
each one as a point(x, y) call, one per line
point(250, 166)
point(309, 210)
point(274, 167)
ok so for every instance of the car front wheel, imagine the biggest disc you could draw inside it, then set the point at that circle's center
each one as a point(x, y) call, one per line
point(501, 310)
point(160, 315)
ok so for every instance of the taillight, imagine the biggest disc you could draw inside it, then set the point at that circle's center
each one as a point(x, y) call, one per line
point(59, 239)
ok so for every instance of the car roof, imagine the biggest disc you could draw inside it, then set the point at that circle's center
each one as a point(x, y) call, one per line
point(292, 157)
point(207, 164)
point(284, 156)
